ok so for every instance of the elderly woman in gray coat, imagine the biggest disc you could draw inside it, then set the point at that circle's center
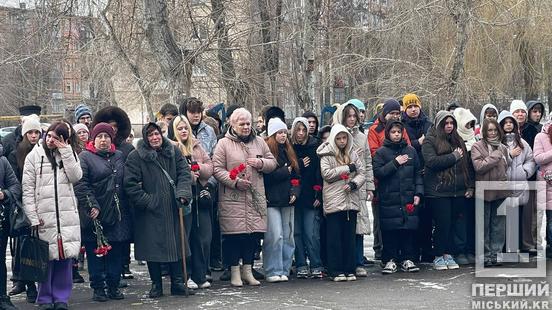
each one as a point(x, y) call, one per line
point(147, 184)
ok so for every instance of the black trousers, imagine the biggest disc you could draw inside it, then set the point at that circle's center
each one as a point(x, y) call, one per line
point(239, 246)
point(424, 240)
point(175, 271)
point(200, 242)
point(341, 245)
point(3, 269)
point(398, 245)
point(450, 224)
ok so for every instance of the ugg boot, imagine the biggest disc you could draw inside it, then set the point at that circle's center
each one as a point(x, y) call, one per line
point(235, 278)
point(247, 276)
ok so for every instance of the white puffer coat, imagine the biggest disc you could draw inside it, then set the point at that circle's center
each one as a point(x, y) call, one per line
point(39, 198)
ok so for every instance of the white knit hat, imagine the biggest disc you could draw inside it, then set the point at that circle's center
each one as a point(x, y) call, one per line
point(274, 125)
point(517, 105)
point(30, 122)
point(80, 126)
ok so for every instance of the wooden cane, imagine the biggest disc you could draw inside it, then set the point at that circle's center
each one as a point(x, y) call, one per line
point(183, 241)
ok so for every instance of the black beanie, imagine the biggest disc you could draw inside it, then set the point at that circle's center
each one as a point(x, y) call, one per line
point(390, 105)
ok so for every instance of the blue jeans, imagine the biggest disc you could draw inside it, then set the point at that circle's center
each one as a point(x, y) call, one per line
point(107, 269)
point(278, 243)
point(495, 229)
point(307, 238)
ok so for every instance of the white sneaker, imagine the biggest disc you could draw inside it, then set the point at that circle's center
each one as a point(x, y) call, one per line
point(191, 284)
point(361, 272)
point(205, 284)
point(273, 279)
point(283, 278)
point(340, 278)
point(351, 277)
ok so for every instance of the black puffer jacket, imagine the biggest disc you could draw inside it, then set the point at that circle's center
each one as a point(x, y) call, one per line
point(278, 187)
point(310, 176)
point(11, 189)
point(102, 177)
point(397, 185)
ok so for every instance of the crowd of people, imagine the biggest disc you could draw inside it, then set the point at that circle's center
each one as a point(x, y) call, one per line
point(194, 196)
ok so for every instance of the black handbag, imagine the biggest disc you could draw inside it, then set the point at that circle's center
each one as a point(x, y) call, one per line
point(18, 221)
point(34, 258)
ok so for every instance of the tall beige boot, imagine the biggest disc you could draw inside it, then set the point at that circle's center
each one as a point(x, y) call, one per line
point(247, 276)
point(235, 278)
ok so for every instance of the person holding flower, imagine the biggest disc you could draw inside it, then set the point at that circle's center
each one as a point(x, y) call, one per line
point(282, 187)
point(309, 204)
point(102, 201)
point(242, 205)
point(343, 172)
point(199, 228)
point(400, 189)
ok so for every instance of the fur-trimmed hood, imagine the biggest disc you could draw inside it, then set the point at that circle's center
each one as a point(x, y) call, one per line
point(146, 152)
point(118, 115)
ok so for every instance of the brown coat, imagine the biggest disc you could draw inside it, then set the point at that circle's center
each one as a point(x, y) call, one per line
point(237, 214)
point(491, 164)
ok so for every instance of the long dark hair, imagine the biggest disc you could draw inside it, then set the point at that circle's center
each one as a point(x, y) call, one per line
point(22, 150)
point(65, 131)
point(515, 131)
point(446, 144)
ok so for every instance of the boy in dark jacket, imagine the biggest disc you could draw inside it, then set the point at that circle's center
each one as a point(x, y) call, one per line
point(400, 189)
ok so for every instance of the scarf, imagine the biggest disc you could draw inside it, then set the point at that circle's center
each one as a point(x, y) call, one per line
point(493, 142)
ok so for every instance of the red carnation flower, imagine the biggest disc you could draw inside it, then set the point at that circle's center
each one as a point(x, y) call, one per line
point(295, 182)
point(234, 174)
point(317, 188)
point(344, 177)
point(195, 167)
point(410, 208)
point(241, 167)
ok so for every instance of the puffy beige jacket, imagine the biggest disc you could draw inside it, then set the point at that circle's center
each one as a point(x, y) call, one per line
point(360, 146)
point(335, 198)
point(39, 198)
point(237, 213)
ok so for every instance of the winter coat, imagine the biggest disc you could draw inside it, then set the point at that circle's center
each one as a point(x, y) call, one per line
point(277, 183)
point(529, 132)
point(434, 185)
point(361, 147)
point(11, 188)
point(521, 169)
point(102, 179)
point(491, 164)
point(543, 157)
point(397, 185)
point(416, 128)
point(156, 216)
point(310, 176)
point(376, 136)
point(204, 161)
point(39, 177)
point(335, 198)
point(237, 212)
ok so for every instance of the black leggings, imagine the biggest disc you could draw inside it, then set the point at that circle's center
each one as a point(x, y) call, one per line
point(3, 269)
point(239, 246)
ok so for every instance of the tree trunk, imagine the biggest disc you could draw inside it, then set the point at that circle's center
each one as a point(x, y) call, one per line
point(460, 12)
point(145, 92)
point(174, 62)
point(528, 60)
point(236, 90)
point(270, 35)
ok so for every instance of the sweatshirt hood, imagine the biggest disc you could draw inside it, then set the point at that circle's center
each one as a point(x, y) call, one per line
point(329, 147)
point(485, 107)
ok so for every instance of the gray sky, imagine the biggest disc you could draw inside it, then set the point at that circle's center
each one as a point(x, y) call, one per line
point(14, 3)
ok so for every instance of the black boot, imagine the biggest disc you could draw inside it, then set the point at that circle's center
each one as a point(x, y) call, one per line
point(31, 292)
point(225, 276)
point(77, 278)
point(99, 295)
point(177, 280)
point(6, 304)
point(18, 288)
point(127, 274)
point(154, 270)
point(115, 293)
